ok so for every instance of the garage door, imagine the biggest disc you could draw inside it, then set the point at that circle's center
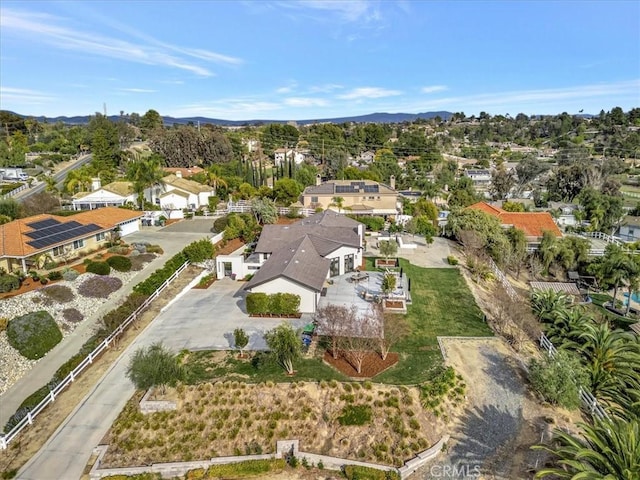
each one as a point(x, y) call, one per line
point(129, 227)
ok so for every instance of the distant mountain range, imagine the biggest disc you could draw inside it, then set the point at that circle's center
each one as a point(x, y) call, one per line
point(370, 118)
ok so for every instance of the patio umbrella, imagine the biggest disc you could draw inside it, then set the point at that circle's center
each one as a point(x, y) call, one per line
point(409, 284)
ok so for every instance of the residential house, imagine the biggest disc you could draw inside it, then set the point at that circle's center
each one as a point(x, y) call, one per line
point(366, 157)
point(184, 172)
point(115, 194)
point(298, 258)
point(629, 230)
point(177, 193)
point(481, 179)
point(61, 238)
point(363, 197)
point(533, 224)
point(283, 154)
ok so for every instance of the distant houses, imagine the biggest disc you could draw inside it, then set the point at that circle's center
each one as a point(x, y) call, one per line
point(364, 197)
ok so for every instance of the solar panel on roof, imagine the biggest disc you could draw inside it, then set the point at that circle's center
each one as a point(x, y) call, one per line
point(43, 223)
point(56, 235)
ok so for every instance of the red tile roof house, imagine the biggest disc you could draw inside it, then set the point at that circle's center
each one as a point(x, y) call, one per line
point(22, 240)
point(533, 224)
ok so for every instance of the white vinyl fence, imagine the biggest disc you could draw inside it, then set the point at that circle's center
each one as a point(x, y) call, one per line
point(68, 380)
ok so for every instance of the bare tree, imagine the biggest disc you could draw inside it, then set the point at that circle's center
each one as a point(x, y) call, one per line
point(333, 321)
point(472, 242)
point(360, 340)
point(392, 329)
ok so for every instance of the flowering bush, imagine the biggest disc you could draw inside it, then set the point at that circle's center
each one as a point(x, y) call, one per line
point(58, 293)
point(99, 287)
point(72, 315)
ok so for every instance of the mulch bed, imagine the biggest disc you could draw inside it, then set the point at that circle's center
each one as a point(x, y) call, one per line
point(230, 247)
point(204, 286)
point(371, 366)
point(287, 220)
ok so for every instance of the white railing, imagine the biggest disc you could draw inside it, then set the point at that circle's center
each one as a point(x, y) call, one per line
point(244, 206)
point(88, 360)
point(503, 279)
point(603, 236)
point(589, 402)
point(15, 191)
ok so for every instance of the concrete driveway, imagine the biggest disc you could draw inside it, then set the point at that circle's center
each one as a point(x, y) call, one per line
point(200, 319)
point(202, 225)
point(206, 319)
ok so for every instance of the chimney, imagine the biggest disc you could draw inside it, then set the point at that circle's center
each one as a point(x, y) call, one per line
point(318, 179)
point(96, 184)
point(179, 173)
point(392, 182)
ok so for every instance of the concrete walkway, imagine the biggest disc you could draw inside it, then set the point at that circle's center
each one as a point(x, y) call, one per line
point(428, 256)
point(199, 320)
point(42, 372)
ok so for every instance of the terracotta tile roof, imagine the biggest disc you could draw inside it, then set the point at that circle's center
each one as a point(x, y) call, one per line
point(184, 171)
point(13, 238)
point(534, 224)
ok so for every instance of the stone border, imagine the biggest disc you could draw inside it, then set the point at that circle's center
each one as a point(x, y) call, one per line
point(283, 448)
point(152, 406)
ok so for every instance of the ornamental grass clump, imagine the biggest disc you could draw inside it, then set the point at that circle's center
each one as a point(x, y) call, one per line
point(58, 293)
point(99, 287)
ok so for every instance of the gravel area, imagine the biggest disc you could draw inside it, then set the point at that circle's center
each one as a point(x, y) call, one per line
point(482, 436)
point(13, 365)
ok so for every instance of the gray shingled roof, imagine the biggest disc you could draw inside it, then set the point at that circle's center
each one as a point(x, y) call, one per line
point(329, 188)
point(297, 261)
point(328, 231)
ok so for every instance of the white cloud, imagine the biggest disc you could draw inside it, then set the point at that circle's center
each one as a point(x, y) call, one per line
point(244, 108)
point(305, 102)
point(348, 11)
point(369, 92)
point(49, 29)
point(23, 96)
point(326, 88)
point(137, 90)
point(290, 87)
point(434, 89)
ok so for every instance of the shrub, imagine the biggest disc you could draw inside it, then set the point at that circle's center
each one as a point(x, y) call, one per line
point(99, 287)
point(199, 251)
point(8, 283)
point(355, 415)
point(3, 323)
point(375, 224)
point(26, 406)
point(58, 293)
point(115, 317)
point(33, 334)
point(246, 468)
point(70, 275)
point(55, 275)
point(220, 224)
point(158, 277)
point(451, 260)
point(72, 315)
point(154, 366)
point(119, 263)
point(44, 281)
point(154, 249)
point(353, 472)
point(139, 260)
point(99, 268)
point(558, 378)
point(50, 265)
point(257, 303)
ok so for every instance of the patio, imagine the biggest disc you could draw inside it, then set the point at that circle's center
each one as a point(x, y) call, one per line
point(362, 289)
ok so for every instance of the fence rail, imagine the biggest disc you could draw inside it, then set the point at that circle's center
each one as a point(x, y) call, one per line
point(88, 360)
point(589, 402)
point(503, 280)
point(15, 191)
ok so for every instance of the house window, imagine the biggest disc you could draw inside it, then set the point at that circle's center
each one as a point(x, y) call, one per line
point(78, 244)
point(57, 251)
point(314, 199)
point(100, 236)
point(348, 263)
point(334, 269)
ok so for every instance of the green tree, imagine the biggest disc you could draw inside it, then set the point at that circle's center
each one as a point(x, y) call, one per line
point(607, 450)
point(241, 339)
point(287, 191)
point(150, 121)
point(558, 378)
point(502, 182)
point(214, 179)
point(154, 366)
point(265, 210)
point(388, 248)
point(145, 173)
point(9, 208)
point(426, 228)
point(285, 346)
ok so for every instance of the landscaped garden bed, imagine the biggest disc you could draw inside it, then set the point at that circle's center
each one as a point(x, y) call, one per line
point(372, 365)
point(368, 422)
point(386, 262)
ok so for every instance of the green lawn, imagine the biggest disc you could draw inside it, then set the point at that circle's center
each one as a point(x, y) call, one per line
point(442, 305)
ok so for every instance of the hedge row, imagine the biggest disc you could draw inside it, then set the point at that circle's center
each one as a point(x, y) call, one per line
point(247, 468)
point(275, 304)
point(157, 278)
point(374, 224)
point(353, 472)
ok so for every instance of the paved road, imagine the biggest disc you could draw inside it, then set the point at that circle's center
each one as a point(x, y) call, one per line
point(201, 319)
point(60, 178)
point(38, 376)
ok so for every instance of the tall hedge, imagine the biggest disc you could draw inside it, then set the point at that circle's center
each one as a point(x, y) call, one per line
point(259, 303)
point(33, 334)
point(119, 263)
point(158, 277)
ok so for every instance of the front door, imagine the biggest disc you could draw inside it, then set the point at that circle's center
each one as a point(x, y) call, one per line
point(348, 263)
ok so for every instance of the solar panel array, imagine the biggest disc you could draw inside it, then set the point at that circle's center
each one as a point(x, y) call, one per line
point(356, 187)
point(43, 223)
point(55, 232)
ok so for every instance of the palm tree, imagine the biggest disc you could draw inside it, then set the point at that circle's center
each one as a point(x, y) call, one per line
point(78, 180)
point(612, 358)
point(144, 173)
point(51, 186)
point(545, 303)
point(607, 450)
point(214, 179)
point(567, 326)
point(337, 202)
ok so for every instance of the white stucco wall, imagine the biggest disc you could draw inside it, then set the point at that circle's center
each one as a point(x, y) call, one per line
point(308, 298)
point(343, 252)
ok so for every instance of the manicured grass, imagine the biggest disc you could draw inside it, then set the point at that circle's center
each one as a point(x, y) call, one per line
point(442, 305)
point(259, 367)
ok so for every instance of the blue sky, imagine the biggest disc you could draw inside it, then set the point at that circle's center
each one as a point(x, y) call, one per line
point(293, 60)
